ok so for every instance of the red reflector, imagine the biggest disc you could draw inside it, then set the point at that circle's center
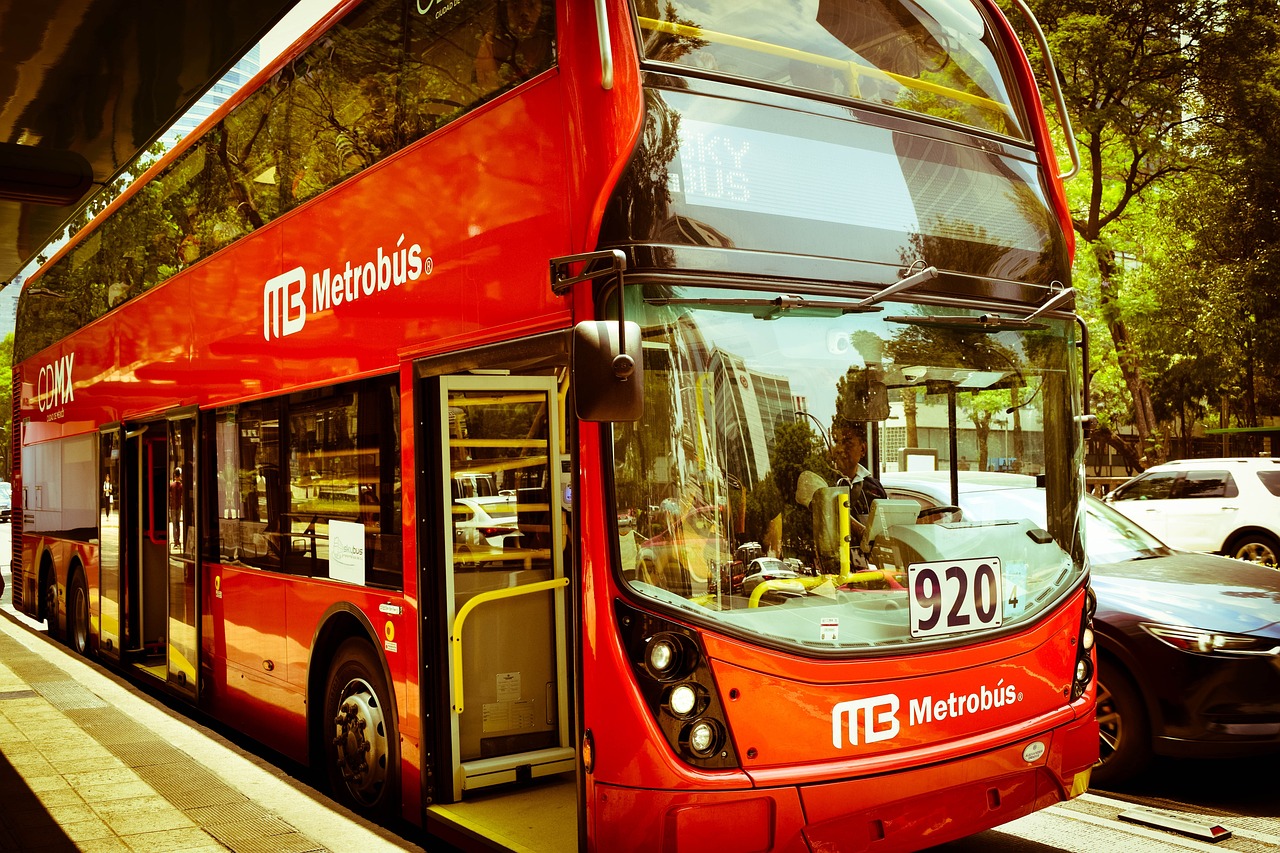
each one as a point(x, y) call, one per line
point(740, 826)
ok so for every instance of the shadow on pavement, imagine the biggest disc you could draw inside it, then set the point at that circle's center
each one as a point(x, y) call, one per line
point(25, 823)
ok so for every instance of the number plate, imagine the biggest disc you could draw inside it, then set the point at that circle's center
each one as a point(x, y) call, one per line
point(954, 596)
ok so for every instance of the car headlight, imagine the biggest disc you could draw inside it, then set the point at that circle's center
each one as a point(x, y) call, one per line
point(1204, 642)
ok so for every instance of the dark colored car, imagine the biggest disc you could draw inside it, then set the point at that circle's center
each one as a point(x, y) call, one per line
point(1188, 644)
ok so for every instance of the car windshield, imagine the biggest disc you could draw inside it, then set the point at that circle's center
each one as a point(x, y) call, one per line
point(763, 426)
point(936, 57)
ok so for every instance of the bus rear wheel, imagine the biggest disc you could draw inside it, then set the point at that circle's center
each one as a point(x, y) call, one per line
point(78, 616)
point(49, 608)
point(360, 741)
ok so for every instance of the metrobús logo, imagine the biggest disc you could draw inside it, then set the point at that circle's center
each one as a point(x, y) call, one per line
point(875, 718)
point(53, 384)
point(285, 300)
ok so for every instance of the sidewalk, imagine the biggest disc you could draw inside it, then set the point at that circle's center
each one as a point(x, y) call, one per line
point(89, 763)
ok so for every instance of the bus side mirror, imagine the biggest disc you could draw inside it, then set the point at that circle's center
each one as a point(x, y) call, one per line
point(600, 393)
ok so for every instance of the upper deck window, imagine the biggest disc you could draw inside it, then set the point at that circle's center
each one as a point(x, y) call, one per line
point(936, 57)
point(380, 79)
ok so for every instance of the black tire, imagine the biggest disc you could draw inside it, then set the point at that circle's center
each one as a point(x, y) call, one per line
point(1123, 728)
point(78, 615)
point(49, 603)
point(1256, 548)
point(358, 733)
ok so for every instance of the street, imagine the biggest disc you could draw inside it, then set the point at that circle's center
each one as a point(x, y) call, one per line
point(1241, 796)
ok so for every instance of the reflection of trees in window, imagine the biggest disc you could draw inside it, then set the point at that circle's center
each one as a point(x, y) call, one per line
point(379, 80)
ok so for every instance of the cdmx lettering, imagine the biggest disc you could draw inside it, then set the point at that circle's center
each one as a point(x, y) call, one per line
point(284, 297)
point(875, 718)
point(53, 384)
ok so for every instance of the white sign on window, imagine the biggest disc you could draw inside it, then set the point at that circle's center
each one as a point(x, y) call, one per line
point(346, 551)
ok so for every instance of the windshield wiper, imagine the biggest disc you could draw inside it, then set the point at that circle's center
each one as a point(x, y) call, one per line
point(989, 322)
point(788, 303)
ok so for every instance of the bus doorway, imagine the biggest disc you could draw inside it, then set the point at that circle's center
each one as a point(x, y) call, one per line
point(504, 578)
point(158, 508)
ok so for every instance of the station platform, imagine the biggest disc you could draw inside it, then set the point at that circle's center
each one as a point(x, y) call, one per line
point(88, 762)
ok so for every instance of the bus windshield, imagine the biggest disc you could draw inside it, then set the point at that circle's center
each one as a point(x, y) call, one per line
point(936, 57)
point(748, 493)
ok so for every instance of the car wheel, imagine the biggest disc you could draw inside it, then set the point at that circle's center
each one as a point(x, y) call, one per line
point(1256, 548)
point(1123, 729)
point(360, 740)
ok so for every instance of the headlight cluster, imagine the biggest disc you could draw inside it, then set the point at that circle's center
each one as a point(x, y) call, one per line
point(1204, 642)
point(678, 687)
point(1084, 648)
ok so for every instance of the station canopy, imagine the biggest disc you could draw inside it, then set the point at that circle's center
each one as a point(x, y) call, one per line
point(86, 85)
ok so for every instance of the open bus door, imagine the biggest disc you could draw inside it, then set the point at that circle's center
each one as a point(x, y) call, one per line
point(158, 511)
point(504, 600)
point(110, 552)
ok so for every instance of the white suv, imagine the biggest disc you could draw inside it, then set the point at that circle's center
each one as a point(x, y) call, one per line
point(1227, 506)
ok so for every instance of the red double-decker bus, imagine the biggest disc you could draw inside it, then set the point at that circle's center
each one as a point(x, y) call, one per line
point(486, 407)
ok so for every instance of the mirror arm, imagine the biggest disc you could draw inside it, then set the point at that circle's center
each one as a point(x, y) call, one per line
point(562, 280)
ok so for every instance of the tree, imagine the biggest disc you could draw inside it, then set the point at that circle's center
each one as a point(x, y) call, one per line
point(1129, 72)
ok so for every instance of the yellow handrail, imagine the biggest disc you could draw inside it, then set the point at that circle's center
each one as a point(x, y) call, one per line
point(455, 636)
point(850, 70)
point(810, 582)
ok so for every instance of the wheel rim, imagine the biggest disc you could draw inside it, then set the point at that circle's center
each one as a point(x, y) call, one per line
point(1256, 552)
point(51, 605)
point(360, 741)
point(80, 620)
point(1110, 725)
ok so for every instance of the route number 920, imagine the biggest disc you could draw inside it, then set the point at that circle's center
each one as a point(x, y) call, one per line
point(954, 596)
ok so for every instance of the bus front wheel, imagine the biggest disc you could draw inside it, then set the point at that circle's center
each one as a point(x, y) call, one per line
point(360, 741)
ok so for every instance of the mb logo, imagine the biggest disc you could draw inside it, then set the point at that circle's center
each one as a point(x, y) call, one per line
point(283, 311)
point(879, 720)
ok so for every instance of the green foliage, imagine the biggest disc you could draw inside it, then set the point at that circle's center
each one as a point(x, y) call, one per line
point(1176, 107)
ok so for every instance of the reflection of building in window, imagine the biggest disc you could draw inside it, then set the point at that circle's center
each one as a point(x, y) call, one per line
point(749, 406)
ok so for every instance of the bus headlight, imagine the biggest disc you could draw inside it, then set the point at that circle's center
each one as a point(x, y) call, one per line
point(687, 699)
point(678, 687)
point(667, 656)
point(702, 738)
point(1082, 676)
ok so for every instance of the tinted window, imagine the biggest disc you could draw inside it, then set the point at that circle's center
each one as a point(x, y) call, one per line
point(382, 78)
point(1270, 479)
point(1156, 486)
point(937, 58)
point(310, 483)
point(1207, 484)
point(725, 175)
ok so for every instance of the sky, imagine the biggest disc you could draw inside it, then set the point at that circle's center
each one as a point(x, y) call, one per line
point(285, 33)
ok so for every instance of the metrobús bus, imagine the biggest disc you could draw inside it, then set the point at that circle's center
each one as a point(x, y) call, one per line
point(475, 409)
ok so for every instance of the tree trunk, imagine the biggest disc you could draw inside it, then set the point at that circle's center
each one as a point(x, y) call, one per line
point(1150, 450)
point(909, 403)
